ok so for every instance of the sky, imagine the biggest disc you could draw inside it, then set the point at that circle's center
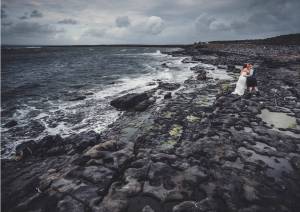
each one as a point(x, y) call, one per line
point(91, 22)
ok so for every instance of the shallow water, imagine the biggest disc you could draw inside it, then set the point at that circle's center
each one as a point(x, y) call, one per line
point(278, 120)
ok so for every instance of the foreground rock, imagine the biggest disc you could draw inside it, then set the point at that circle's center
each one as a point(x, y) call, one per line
point(168, 86)
point(133, 101)
point(201, 150)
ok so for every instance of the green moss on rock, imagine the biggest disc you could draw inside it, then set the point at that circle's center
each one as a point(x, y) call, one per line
point(176, 131)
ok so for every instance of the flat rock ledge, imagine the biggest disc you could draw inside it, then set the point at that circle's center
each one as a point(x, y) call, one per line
point(204, 149)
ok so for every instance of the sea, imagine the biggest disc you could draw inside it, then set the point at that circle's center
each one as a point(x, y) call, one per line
point(67, 90)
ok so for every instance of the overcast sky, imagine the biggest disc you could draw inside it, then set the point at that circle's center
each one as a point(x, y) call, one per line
point(57, 22)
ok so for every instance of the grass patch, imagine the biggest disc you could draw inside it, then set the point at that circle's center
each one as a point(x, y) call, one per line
point(176, 131)
point(192, 118)
point(292, 126)
point(225, 87)
point(168, 114)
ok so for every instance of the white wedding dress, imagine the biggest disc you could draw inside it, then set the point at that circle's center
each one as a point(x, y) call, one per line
point(241, 85)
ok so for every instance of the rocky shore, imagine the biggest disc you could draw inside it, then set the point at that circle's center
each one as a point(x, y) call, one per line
point(190, 147)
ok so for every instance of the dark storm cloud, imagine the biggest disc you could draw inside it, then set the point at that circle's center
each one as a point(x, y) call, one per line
point(32, 29)
point(123, 21)
point(159, 21)
point(270, 16)
point(6, 24)
point(36, 14)
point(68, 21)
point(24, 17)
point(3, 13)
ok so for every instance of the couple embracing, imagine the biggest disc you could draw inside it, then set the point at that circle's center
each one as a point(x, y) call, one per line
point(246, 80)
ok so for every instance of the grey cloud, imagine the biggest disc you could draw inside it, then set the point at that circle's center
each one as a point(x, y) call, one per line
point(261, 17)
point(153, 25)
point(277, 16)
point(68, 21)
point(31, 29)
point(3, 13)
point(122, 21)
point(6, 24)
point(25, 16)
point(203, 21)
point(95, 32)
point(36, 14)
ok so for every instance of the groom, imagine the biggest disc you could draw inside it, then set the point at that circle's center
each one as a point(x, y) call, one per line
point(251, 80)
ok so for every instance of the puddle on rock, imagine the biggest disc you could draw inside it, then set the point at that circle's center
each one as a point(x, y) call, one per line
point(278, 120)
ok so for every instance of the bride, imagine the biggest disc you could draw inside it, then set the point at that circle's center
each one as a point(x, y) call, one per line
point(241, 84)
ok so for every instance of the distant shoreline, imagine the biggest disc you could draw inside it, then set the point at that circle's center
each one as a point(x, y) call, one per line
point(102, 45)
point(290, 39)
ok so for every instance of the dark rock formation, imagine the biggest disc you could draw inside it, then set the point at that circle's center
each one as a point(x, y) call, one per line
point(203, 150)
point(77, 98)
point(134, 101)
point(11, 123)
point(201, 76)
point(168, 86)
point(168, 95)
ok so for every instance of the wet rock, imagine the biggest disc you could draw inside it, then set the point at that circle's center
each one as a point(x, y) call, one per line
point(198, 68)
point(26, 149)
point(151, 83)
point(168, 95)
point(250, 193)
point(222, 66)
point(70, 204)
point(188, 60)
point(187, 206)
point(129, 101)
point(11, 123)
point(295, 161)
point(201, 76)
point(168, 86)
point(110, 145)
point(47, 146)
point(77, 98)
point(230, 155)
point(79, 142)
point(142, 106)
point(147, 208)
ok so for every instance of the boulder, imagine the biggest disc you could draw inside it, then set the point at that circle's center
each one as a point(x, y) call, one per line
point(201, 75)
point(168, 95)
point(142, 106)
point(25, 149)
point(197, 68)
point(47, 146)
point(168, 86)
point(11, 123)
point(129, 101)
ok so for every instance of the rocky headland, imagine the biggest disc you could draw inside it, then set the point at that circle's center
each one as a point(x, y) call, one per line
point(178, 147)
